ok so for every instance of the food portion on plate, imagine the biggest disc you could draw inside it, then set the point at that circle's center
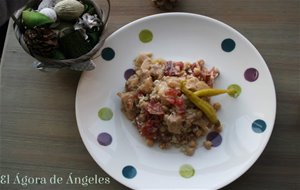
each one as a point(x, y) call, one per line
point(169, 102)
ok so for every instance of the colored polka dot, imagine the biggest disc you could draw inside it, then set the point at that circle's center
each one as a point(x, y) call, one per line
point(104, 139)
point(186, 171)
point(108, 54)
point(215, 138)
point(146, 36)
point(251, 74)
point(129, 172)
point(259, 126)
point(128, 73)
point(228, 45)
point(105, 114)
point(236, 90)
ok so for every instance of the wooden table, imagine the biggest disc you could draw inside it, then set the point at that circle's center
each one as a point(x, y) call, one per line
point(39, 135)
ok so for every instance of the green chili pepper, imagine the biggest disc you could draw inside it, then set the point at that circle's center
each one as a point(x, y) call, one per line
point(33, 18)
point(209, 92)
point(204, 106)
point(214, 92)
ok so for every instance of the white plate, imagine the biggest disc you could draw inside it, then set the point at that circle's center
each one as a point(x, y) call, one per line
point(248, 120)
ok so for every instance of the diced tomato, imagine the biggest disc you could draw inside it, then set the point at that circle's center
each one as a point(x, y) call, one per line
point(149, 130)
point(179, 101)
point(171, 100)
point(173, 97)
point(180, 106)
point(146, 132)
point(155, 108)
point(172, 92)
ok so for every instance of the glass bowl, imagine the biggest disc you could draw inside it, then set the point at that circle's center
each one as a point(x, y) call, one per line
point(81, 63)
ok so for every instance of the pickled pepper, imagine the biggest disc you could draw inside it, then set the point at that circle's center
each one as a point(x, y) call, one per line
point(214, 92)
point(204, 106)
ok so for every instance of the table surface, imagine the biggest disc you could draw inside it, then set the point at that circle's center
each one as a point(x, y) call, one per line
point(39, 134)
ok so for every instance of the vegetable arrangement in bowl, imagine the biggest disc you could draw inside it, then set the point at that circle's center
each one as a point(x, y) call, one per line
point(62, 33)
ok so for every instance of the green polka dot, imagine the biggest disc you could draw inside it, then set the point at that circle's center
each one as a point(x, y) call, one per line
point(236, 88)
point(146, 36)
point(187, 171)
point(105, 114)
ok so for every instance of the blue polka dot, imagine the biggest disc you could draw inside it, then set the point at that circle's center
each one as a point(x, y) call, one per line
point(129, 172)
point(228, 45)
point(108, 53)
point(259, 126)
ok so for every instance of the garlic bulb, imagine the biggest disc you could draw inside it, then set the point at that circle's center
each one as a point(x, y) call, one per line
point(46, 4)
point(49, 13)
point(57, 1)
point(69, 9)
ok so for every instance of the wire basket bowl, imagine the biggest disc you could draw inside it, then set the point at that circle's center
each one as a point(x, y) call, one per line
point(81, 63)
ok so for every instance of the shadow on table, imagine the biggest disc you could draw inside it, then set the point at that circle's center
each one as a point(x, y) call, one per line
point(3, 30)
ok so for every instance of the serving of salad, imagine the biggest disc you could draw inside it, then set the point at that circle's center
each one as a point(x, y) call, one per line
point(169, 102)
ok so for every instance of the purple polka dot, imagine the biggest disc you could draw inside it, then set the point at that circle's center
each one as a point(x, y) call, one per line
point(128, 73)
point(104, 139)
point(215, 138)
point(251, 74)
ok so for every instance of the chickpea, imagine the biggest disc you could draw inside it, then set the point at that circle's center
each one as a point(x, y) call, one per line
point(201, 62)
point(192, 143)
point(218, 128)
point(190, 151)
point(199, 133)
point(205, 129)
point(149, 142)
point(197, 71)
point(217, 106)
point(207, 144)
point(163, 146)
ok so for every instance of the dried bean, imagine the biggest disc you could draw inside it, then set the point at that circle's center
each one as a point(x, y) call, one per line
point(207, 144)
